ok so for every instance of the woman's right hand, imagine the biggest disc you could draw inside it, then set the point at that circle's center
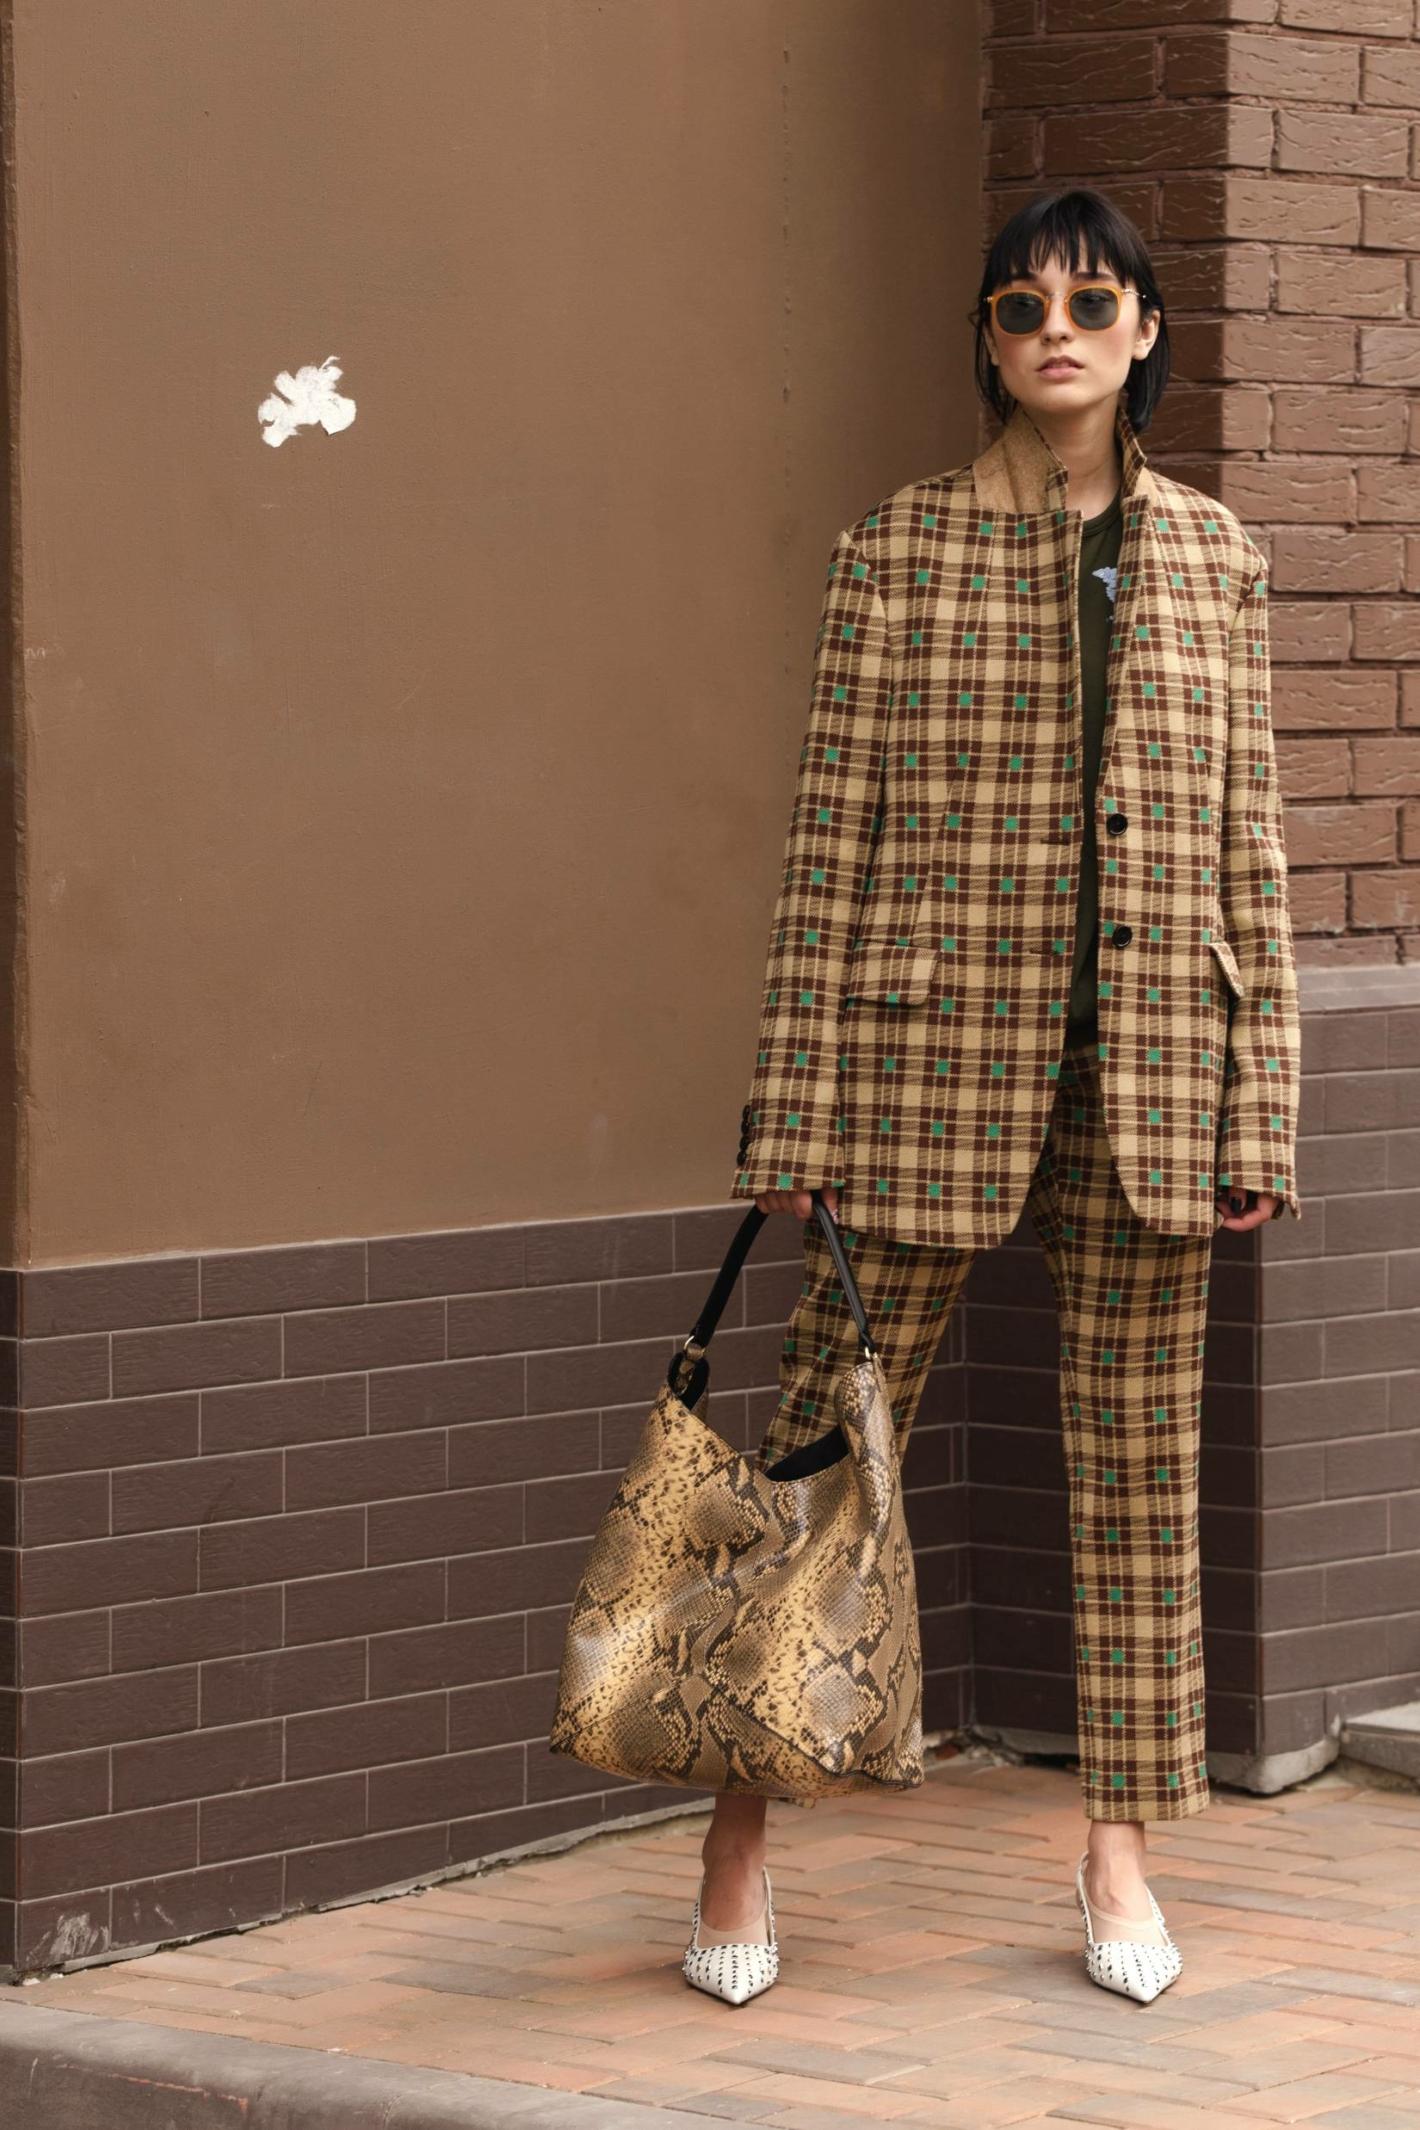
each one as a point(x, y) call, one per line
point(799, 1203)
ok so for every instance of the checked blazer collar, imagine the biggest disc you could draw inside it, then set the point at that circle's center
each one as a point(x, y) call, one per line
point(1020, 471)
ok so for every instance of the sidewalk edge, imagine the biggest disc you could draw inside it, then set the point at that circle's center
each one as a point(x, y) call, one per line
point(73, 2071)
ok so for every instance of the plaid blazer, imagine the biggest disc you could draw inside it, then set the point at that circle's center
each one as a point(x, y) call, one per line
point(915, 999)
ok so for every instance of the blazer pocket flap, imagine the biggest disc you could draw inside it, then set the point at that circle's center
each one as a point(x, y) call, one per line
point(890, 976)
point(1231, 970)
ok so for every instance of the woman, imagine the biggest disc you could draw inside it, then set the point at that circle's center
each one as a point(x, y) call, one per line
point(1032, 951)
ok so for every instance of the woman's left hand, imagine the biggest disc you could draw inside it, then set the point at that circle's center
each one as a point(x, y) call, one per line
point(1262, 1211)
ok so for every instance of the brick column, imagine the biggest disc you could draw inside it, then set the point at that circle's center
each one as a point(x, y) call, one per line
point(1269, 151)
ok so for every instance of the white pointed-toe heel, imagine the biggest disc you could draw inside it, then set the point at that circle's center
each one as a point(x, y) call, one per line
point(733, 1969)
point(1137, 1966)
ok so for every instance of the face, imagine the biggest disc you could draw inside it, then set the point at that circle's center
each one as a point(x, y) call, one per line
point(1062, 365)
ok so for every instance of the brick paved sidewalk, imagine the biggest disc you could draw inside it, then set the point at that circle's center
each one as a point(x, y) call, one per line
point(931, 1969)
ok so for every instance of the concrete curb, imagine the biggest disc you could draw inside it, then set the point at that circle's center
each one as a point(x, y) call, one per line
point(68, 2071)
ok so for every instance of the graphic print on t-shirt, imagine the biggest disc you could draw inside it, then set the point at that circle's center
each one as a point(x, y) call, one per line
point(1100, 540)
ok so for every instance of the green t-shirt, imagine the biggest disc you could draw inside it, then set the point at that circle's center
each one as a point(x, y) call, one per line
point(1099, 555)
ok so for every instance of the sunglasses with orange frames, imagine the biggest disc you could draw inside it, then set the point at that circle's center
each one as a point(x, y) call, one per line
point(1093, 307)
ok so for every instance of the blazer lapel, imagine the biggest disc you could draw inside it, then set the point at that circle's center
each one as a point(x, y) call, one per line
point(1021, 475)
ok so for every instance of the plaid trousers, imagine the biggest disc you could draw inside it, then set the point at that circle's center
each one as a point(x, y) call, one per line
point(1132, 1302)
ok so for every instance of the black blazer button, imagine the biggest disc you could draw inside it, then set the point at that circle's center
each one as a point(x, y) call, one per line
point(1116, 823)
point(1121, 935)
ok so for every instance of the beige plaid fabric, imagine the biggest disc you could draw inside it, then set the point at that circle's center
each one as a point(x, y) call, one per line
point(1132, 1306)
point(914, 1007)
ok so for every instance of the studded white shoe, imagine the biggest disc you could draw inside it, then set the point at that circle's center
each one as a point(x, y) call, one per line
point(734, 1969)
point(1135, 1958)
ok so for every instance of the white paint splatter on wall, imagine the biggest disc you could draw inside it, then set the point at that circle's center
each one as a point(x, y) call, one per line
point(309, 397)
point(73, 1936)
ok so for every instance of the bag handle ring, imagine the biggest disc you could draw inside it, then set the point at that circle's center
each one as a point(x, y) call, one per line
point(693, 1353)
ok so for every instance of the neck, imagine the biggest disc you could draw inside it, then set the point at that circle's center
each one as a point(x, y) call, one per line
point(1085, 443)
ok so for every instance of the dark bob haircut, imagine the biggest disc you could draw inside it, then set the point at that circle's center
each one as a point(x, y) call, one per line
point(1056, 225)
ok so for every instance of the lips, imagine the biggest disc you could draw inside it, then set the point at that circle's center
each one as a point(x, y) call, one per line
point(1060, 367)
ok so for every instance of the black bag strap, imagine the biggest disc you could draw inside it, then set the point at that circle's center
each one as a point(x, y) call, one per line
point(692, 1355)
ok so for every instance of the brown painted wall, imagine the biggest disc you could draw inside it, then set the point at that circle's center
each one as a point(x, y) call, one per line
point(406, 805)
point(12, 763)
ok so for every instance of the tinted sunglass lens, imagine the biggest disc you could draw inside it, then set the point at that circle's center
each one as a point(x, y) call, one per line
point(1018, 311)
point(1093, 309)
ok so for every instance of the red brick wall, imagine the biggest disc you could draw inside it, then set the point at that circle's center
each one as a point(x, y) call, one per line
point(1269, 151)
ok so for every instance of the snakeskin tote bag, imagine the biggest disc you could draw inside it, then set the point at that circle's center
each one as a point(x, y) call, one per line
point(744, 1628)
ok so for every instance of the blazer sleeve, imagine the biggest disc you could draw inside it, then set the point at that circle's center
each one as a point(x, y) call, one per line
point(1258, 1121)
point(790, 1136)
